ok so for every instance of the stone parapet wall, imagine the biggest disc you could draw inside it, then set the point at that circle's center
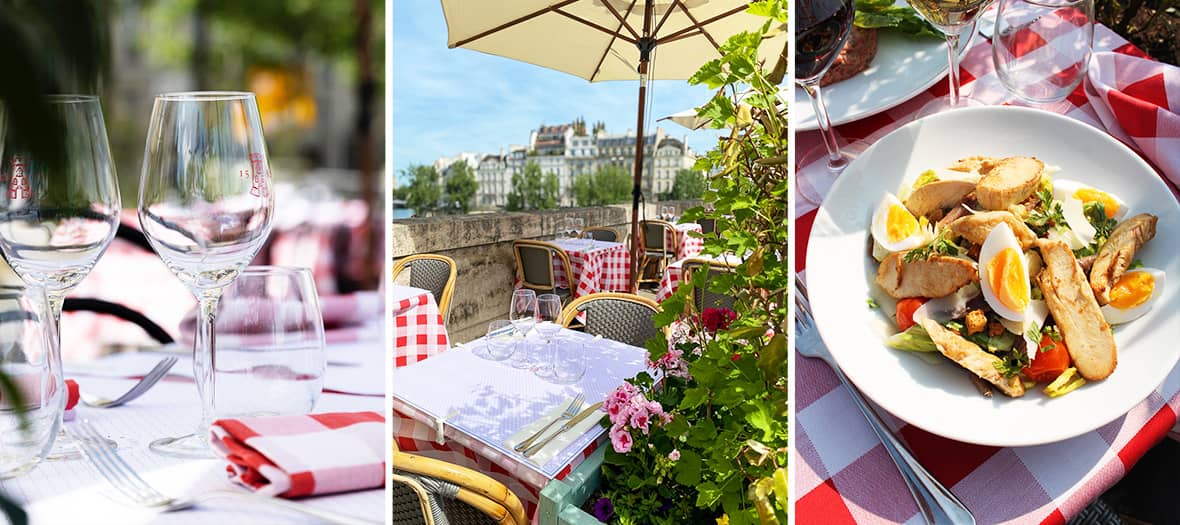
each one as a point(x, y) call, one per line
point(481, 245)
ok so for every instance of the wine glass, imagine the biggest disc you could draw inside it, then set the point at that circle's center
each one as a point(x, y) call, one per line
point(579, 225)
point(500, 340)
point(822, 28)
point(950, 17)
point(522, 313)
point(1033, 70)
point(59, 215)
point(548, 315)
point(206, 207)
point(31, 360)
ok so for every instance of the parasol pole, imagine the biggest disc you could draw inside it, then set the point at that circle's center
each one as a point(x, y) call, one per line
point(645, 45)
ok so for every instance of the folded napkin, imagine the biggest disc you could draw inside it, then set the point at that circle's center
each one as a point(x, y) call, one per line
point(1138, 100)
point(293, 456)
point(559, 443)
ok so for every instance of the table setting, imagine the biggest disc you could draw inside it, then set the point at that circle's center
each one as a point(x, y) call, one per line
point(280, 412)
point(1036, 80)
point(522, 404)
point(598, 266)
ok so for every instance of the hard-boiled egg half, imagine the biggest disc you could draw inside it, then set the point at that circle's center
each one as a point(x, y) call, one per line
point(1003, 274)
point(1133, 295)
point(895, 228)
point(1074, 196)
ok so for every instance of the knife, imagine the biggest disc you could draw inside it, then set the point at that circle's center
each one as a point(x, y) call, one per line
point(568, 425)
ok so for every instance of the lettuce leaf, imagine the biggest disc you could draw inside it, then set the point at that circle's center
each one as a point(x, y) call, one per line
point(882, 14)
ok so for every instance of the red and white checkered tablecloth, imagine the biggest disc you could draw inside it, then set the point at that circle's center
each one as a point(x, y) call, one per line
point(418, 328)
point(670, 281)
point(689, 245)
point(413, 432)
point(842, 472)
point(598, 266)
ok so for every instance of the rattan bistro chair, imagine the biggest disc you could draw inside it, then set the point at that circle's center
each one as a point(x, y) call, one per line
point(657, 251)
point(621, 317)
point(600, 233)
point(435, 273)
point(703, 298)
point(534, 267)
point(707, 225)
point(451, 494)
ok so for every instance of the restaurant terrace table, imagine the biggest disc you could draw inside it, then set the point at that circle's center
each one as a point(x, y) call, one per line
point(485, 402)
point(69, 492)
point(598, 266)
point(418, 328)
point(690, 245)
point(842, 473)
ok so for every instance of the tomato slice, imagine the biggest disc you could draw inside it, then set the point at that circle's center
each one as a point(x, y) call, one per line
point(1051, 360)
point(905, 311)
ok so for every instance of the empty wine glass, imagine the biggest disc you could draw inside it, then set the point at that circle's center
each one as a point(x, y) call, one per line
point(501, 339)
point(522, 313)
point(31, 361)
point(1032, 69)
point(579, 225)
point(206, 206)
point(548, 315)
point(822, 28)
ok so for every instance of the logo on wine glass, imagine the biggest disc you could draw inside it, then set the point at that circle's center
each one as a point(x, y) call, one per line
point(18, 184)
point(258, 175)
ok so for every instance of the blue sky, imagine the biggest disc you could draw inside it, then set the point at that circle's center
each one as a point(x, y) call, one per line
point(447, 101)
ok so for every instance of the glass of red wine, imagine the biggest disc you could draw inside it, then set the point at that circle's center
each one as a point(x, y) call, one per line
point(822, 29)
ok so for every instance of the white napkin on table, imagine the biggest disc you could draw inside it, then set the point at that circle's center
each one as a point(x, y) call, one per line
point(547, 453)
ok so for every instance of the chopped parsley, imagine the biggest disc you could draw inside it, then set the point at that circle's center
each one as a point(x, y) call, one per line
point(1137, 263)
point(1034, 333)
point(940, 245)
point(1047, 213)
point(1012, 362)
point(1096, 213)
point(1052, 332)
point(872, 303)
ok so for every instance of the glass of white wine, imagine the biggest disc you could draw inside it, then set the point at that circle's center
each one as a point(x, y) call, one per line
point(206, 207)
point(950, 17)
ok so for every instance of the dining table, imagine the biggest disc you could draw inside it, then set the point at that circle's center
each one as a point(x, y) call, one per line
point(674, 273)
point(461, 407)
point(843, 473)
point(687, 239)
point(598, 266)
point(419, 330)
point(71, 491)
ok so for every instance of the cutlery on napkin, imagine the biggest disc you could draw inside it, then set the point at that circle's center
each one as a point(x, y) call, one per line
point(292, 456)
point(562, 436)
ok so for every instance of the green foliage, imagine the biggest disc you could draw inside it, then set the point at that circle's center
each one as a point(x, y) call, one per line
point(460, 187)
point(533, 191)
point(688, 185)
point(423, 192)
point(729, 420)
point(608, 185)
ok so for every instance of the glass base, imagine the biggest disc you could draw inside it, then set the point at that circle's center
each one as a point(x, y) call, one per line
point(192, 446)
point(943, 104)
point(66, 448)
point(814, 175)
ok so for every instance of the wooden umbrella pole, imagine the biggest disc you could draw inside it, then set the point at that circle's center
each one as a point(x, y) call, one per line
point(645, 43)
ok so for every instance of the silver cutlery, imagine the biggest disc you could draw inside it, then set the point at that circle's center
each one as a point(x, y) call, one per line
point(568, 425)
point(935, 502)
point(149, 380)
point(569, 413)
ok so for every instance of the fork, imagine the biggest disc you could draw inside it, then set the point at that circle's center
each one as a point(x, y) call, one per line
point(570, 411)
point(935, 502)
point(149, 380)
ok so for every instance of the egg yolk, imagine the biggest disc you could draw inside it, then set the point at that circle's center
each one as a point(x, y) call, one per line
point(1090, 195)
point(1006, 277)
point(1131, 290)
point(900, 223)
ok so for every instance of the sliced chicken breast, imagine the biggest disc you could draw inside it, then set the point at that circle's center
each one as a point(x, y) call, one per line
point(1079, 319)
point(938, 276)
point(1118, 252)
point(932, 198)
point(975, 228)
point(1011, 181)
point(970, 356)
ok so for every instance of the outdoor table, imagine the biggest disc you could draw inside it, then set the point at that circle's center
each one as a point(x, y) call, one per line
point(479, 403)
point(690, 245)
point(842, 472)
point(598, 266)
point(670, 281)
point(71, 491)
point(418, 328)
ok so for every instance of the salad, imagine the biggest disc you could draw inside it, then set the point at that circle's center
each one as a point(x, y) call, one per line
point(1012, 273)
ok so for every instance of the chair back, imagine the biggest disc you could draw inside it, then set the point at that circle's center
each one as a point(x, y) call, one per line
point(431, 272)
point(411, 502)
point(534, 264)
point(707, 225)
point(621, 317)
point(655, 234)
point(703, 298)
point(602, 234)
point(458, 495)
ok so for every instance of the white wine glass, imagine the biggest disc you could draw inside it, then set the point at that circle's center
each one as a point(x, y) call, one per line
point(206, 207)
point(522, 313)
point(59, 215)
point(548, 315)
point(950, 17)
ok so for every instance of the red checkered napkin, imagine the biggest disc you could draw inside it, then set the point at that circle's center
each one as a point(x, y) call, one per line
point(1138, 101)
point(293, 456)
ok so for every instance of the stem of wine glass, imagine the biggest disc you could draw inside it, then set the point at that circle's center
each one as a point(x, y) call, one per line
point(203, 356)
point(952, 46)
point(836, 161)
point(56, 300)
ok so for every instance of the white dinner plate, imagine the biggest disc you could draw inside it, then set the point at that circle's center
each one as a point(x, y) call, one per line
point(903, 68)
point(937, 395)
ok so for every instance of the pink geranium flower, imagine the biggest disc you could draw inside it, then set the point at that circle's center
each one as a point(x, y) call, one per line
point(674, 455)
point(621, 439)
